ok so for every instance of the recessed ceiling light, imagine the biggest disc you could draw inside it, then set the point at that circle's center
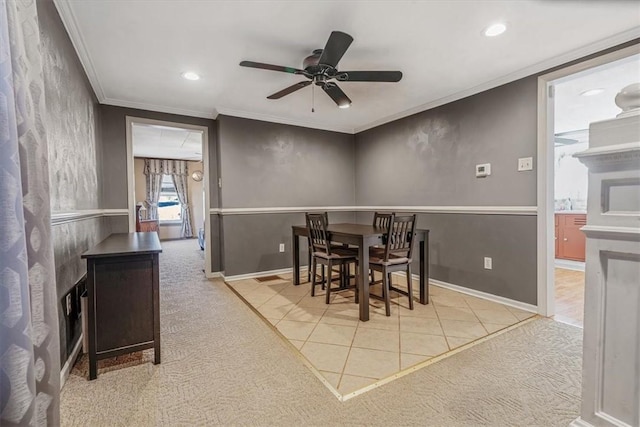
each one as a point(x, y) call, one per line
point(495, 30)
point(189, 75)
point(592, 92)
point(344, 106)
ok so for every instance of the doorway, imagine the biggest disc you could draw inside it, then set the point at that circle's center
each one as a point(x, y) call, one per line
point(165, 145)
point(568, 101)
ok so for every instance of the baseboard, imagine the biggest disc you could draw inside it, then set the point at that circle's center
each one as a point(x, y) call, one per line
point(214, 274)
point(261, 274)
point(68, 365)
point(489, 297)
point(567, 264)
point(579, 422)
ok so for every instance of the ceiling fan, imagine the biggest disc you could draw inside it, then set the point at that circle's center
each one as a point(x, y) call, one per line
point(320, 69)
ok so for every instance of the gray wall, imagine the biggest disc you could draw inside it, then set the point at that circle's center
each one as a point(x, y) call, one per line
point(429, 159)
point(265, 164)
point(74, 155)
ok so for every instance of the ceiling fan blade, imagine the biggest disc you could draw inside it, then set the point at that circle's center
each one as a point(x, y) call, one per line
point(336, 46)
point(337, 94)
point(369, 76)
point(289, 90)
point(271, 67)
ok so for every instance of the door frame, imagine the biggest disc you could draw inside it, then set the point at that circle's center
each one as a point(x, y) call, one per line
point(130, 120)
point(545, 178)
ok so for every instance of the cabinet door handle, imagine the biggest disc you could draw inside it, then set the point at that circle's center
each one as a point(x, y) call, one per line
point(566, 240)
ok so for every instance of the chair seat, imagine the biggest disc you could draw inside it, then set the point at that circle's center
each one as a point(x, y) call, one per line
point(393, 260)
point(337, 253)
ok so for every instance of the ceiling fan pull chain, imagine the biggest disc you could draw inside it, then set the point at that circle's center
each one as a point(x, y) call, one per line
point(313, 98)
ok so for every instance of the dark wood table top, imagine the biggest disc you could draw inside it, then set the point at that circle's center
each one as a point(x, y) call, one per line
point(125, 244)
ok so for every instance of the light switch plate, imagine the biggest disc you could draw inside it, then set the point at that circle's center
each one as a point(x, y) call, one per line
point(525, 164)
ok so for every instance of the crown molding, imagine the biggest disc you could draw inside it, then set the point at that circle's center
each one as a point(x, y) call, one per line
point(282, 120)
point(71, 25)
point(609, 42)
point(160, 109)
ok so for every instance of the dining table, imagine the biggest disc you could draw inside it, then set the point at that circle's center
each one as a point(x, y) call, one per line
point(364, 237)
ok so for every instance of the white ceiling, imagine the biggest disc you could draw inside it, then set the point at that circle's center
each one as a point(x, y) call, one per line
point(575, 112)
point(135, 51)
point(164, 142)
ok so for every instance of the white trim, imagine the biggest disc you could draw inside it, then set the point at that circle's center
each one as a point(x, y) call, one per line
point(71, 25)
point(486, 296)
point(545, 182)
point(205, 182)
point(479, 210)
point(568, 264)
point(611, 231)
point(159, 108)
point(68, 365)
point(79, 215)
point(214, 274)
point(285, 121)
point(579, 422)
point(261, 274)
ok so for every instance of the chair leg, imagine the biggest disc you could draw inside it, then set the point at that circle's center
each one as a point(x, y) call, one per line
point(329, 277)
point(385, 292)
point(309, 266)
point(313, 277)
point(323, 279)
point(410, 286)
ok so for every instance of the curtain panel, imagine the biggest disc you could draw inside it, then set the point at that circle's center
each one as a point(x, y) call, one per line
point(29, 342)
point(154, 169)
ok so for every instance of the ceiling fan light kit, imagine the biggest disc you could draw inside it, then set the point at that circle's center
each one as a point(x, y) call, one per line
point(320, 69)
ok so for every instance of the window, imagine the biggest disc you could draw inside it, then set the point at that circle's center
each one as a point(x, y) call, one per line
point(169, 207)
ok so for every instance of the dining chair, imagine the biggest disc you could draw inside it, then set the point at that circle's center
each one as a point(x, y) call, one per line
point(380, 220)
point(326, 254)
point(310, 255)
point(397, 256)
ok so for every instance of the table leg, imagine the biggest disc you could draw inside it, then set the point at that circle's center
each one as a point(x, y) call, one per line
point(93, 362)
point(424, 270)
point(363, 281)
point(295, 249)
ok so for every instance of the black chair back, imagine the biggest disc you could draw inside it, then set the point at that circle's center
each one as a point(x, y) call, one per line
point(317, 230)
point(400, 236)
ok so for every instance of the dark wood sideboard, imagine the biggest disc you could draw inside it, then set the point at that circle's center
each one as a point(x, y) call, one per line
point(123, 297)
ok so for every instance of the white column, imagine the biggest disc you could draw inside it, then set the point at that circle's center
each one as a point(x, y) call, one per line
point(611, 358)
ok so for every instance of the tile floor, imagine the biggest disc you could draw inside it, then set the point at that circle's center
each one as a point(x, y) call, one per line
point(352, 355)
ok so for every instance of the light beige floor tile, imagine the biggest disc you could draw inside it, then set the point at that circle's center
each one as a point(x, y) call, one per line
point(302, 290)
point(520, 314)
point(332, 377)
point(258, 297)
point(494, 327)
point(350, 383)
point(378, 364)
point(326, 357)
point(449, 300)
point(272, 320)
point(407, 360)
point(461, 329)
point(419, 310)
point(377, 339)
point(421, 325)
point(456, 313)
point(483, 304)
point(244, 286)
point(280, 299)
point(305, 314)
point(380, 321)
point(455, 342)
point(317, 301)
point(276, 285)
point(297, 343)
point(333, 334)
point(428, 345)
point(345, 316)
point(295, 330)
point(496, 316)
point(275, 311)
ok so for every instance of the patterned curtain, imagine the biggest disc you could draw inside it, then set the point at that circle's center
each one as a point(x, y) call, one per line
point(29, 343)
point(154, 169)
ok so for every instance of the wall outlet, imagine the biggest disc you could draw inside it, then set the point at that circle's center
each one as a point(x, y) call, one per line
point(281, 247)
point(487, 263)
point(525, 164)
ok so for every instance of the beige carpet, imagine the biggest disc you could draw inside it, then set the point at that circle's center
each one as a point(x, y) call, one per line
point(222, 365)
